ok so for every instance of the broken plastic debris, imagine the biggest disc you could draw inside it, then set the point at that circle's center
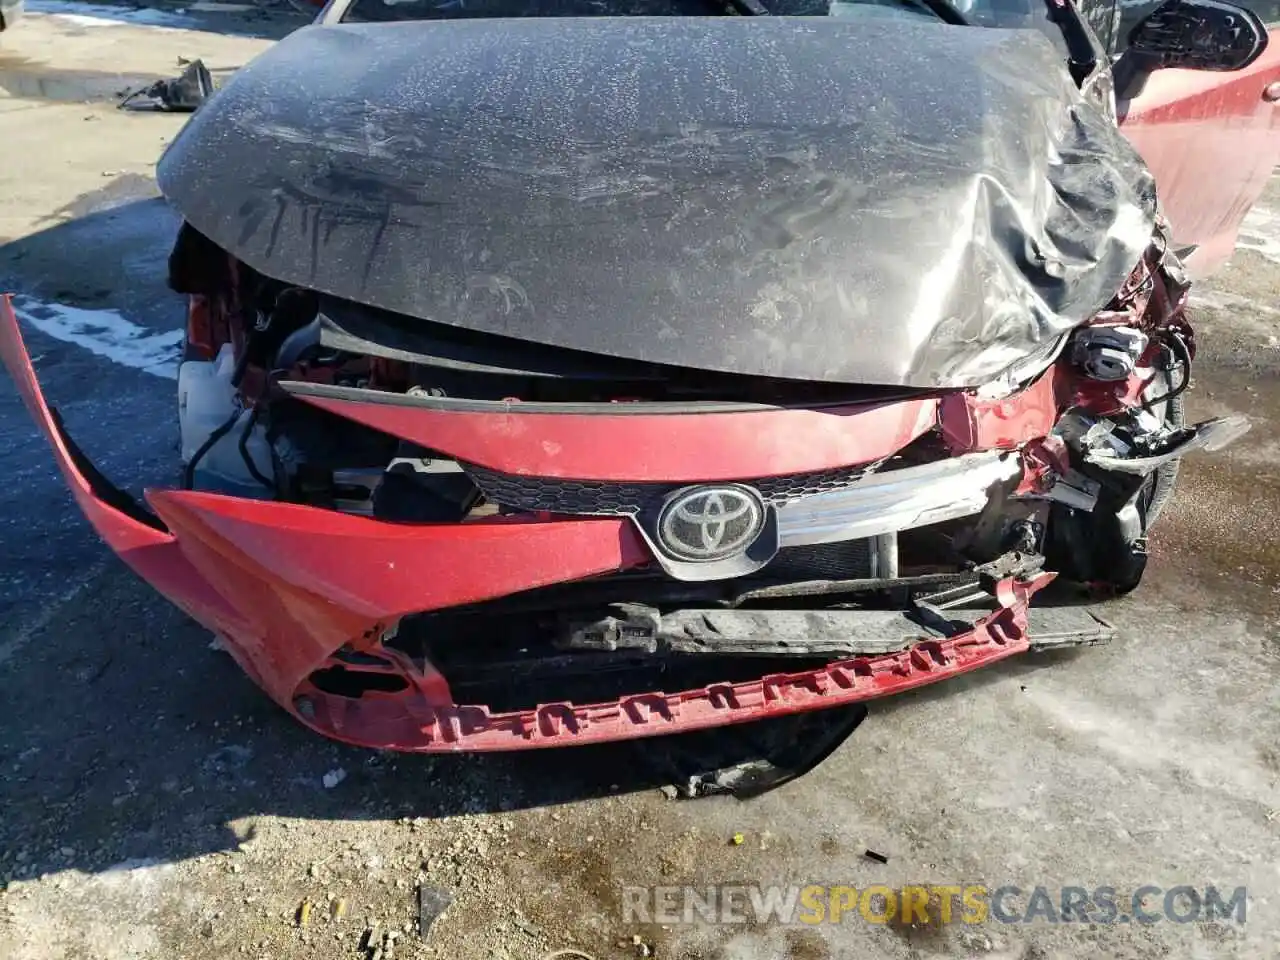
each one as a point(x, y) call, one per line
point(182, 94)
point(1211, 435)
point(877, 857)
point(431, 903)
point(738, 839)
point(333, 778)
point(752, 759)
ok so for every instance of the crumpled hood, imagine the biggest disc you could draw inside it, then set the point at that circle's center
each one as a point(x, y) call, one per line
point(872, 201)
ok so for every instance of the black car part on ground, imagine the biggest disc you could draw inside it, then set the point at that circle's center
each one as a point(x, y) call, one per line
point(184, 93)
point(750, 759)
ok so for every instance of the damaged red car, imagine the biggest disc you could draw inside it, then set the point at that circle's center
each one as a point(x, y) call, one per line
point(553, 377)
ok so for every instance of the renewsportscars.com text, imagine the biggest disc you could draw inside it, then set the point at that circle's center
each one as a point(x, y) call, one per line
point(933, 903)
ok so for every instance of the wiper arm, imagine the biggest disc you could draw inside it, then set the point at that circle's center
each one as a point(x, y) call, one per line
point(1081, 58)
point(944, 10)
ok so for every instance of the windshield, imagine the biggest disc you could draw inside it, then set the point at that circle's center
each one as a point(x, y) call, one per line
point(380, 10)
point(987, 13)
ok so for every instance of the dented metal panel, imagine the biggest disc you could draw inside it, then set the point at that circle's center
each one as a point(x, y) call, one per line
point(882, 201)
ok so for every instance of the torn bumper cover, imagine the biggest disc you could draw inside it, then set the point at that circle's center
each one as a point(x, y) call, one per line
point(290, 587)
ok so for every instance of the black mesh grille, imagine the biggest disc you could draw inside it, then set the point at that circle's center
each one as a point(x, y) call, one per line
point(800, 485)
point(847, 560)
point(622, 499)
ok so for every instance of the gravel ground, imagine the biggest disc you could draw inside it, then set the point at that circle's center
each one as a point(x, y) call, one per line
point(155, 804)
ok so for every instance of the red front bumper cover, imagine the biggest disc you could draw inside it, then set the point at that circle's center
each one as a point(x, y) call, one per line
point(286, 586)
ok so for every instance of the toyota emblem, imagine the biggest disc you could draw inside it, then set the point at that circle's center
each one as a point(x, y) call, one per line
point(710, 523)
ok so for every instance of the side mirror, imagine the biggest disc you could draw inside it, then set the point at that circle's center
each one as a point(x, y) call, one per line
point(1199, 35)
point(1215, 35)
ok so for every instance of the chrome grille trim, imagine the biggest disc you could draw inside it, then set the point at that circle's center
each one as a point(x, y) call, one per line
point(850, 504)
point(897, 500)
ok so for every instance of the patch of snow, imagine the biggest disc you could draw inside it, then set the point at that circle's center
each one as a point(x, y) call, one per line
point(1261, 232)
point(220, 6)
point(105, 333)
point(108, 15)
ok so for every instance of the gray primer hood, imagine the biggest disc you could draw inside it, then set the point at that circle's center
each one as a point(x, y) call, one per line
point(876, 200)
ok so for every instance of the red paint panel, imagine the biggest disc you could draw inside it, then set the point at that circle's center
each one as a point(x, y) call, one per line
point(970, 423)
point(1212, 140)
point(384, 570)
point(670, 448)
point(310, 581)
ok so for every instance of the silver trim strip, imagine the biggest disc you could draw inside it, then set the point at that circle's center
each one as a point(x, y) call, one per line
point(897, 500)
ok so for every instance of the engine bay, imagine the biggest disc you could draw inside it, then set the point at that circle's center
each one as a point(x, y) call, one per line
point(1083, 434)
